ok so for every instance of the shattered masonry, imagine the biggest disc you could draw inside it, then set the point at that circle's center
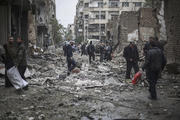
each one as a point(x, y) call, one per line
point(162, 22)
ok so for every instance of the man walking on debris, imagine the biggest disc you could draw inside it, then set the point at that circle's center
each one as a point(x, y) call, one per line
point(91, 50)
point(21, 57)
point(132, 57)
point(70, 61)
point(83, 49)
point(155, 61)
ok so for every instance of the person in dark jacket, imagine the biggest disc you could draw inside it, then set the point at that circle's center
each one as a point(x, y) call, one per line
point(9, 58)
point(155, 62)
point(132, 57)
point(159, 44)
point(70, 61)
point(147, 46)
point(21, 57)
point(83, 49)
point(101, 51)
point(91, 51)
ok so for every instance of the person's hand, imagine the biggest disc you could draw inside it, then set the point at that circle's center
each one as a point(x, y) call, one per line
point(131, 59)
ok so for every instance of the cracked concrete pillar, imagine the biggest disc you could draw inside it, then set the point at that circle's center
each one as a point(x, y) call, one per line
point(31, 28)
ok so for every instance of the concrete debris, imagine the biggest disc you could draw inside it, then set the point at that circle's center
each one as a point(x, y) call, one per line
point(96, 91)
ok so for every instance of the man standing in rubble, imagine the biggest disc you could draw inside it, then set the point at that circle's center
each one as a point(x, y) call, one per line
point(91, 51)
point(155, 61)
point(132, 57)
point(21, 57)
point(9, 58)
point(83, 49)
point(70, 61)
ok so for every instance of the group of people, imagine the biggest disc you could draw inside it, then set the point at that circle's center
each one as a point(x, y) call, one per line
point(155, 62)
point(104, 50)
point(14, 55)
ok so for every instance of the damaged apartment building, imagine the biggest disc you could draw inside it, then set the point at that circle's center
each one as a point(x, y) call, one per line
point(92, 16)
point(29, 19)
point(161, 21)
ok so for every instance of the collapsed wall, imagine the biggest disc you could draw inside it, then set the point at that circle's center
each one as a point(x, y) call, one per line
point(172, 18)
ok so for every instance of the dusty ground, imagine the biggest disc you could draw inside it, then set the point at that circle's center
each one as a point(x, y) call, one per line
point(98, 92)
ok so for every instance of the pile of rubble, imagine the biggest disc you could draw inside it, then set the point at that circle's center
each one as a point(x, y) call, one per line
point(98, 91)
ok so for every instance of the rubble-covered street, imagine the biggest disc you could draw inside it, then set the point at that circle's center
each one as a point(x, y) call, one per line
point(98, 92)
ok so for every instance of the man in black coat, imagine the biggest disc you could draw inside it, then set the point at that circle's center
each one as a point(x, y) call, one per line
point(155, 62)
point(91, 51)
point(83, 49)
point(70, 61)
point(132, 57)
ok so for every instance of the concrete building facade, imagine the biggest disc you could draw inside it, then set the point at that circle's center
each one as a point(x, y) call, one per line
point(29, 19)
point(92, 16)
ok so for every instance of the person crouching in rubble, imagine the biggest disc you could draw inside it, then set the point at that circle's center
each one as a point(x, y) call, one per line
point(21, 57)
point(155, 62)
point(131, 55)
point(70, 61)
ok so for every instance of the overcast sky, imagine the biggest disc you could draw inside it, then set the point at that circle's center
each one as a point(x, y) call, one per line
point(65, 11)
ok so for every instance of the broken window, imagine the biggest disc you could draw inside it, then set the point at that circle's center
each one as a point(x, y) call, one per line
point(93, 28)
point(86, 16)
point(113, 17)
point(125, 4)
point(103, 27)
point(113, 14)
point(100, 4)
point(137, 4)
point(113, 3)
point(96, 27)
point(81, 3)
point(86, 5)
point(100, 15)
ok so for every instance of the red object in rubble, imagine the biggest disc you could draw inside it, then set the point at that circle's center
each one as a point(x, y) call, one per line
point(137, 76)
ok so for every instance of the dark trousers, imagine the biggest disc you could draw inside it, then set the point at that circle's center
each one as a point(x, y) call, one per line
point(82, 53)
point(109, 58)
point(152, 79)
point(22, 70)
point(101, 57)
point(131, 65)
point(71, 64)
point(91, 56)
